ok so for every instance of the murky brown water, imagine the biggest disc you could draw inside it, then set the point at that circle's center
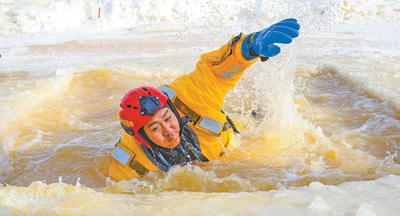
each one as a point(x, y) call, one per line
point(317, 126)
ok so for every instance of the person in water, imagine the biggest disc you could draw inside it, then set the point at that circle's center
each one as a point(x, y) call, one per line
point(183, 122)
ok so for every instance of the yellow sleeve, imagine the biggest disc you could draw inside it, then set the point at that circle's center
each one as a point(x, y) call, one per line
point(217, 72)
point(201, 93)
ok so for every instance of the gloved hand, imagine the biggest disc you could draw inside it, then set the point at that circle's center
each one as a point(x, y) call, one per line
point(262, 43)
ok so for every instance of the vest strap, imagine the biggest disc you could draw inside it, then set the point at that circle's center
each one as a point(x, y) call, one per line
point(138, 167)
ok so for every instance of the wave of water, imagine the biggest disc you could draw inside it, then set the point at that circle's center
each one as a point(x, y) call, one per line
point(327, 116)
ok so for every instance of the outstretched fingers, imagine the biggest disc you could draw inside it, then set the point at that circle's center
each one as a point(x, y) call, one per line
point(282, 32)
point(288, 23)
point(286, 30)
point(289, 20)
point(277, 37)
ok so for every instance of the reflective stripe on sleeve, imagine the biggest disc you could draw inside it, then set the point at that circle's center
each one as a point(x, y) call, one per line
point(232, 71)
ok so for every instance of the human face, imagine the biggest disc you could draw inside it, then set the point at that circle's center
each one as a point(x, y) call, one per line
point(163, 129)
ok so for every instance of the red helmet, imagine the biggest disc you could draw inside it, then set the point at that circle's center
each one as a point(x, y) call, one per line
point(137, 108)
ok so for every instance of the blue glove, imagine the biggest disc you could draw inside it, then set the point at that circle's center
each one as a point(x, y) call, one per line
point(262, 43)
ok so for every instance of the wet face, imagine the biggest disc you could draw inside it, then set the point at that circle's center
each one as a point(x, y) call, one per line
point(163, 129)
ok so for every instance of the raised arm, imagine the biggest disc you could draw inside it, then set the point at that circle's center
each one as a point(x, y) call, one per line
point(217, 72)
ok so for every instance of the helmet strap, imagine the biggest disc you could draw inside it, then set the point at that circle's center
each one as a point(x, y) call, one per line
point(128, 130)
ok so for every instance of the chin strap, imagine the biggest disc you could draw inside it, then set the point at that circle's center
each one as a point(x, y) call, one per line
point(183, 122)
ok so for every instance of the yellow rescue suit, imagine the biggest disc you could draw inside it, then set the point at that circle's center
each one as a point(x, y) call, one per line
point(200, 95)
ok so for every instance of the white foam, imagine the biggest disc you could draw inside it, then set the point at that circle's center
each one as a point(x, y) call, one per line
point(382, 10)
point(45, 16)
point(365, 209)
point(320, 204)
